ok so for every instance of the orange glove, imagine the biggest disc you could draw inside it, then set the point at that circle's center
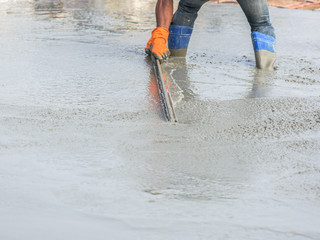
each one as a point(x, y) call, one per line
point(157, 44)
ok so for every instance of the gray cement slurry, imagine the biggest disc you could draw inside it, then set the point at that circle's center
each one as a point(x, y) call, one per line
point(85, 154)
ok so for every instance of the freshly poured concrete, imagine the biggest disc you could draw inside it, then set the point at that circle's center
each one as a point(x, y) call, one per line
point(85, 152)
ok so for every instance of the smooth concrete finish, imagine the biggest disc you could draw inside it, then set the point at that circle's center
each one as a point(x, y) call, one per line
point(86, 154)
point(265, 59)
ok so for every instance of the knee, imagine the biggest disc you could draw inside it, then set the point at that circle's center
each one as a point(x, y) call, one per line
point(257, 20)
point(262, 24)
point(191, 6)
point(187, 12)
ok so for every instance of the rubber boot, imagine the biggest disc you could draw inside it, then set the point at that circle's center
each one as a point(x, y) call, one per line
point(179, 37)
point(263, 45)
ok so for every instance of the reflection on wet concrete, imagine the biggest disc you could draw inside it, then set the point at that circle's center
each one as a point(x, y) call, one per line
point(113, 17)
point(153, 91)
point(262, 84)
point(50, 8)
point(176, 70)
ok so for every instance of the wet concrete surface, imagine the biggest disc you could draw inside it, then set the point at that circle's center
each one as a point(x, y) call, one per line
point(86, 154)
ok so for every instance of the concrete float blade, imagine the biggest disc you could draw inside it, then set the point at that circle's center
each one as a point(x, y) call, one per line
point(165, 96)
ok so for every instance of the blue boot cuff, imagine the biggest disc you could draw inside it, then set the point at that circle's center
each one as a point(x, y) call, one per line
point(263, 41)
point(179, 36)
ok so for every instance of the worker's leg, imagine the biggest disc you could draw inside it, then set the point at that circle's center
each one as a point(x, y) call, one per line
point(263, 36)
point(182, 26)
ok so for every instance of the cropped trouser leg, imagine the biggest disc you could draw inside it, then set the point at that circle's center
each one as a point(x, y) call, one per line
point(182, 26)
point(257, 13)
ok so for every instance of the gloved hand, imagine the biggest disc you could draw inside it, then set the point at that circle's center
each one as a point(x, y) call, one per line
point(156, 45)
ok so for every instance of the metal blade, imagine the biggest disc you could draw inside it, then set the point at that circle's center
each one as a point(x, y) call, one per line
point(165, 96)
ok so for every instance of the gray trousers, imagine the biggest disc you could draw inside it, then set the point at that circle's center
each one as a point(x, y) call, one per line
point(256, 11)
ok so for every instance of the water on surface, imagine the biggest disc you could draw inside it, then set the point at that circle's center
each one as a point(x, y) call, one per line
point(85, 152)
